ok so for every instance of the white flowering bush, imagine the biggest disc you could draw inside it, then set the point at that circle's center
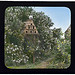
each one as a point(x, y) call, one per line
point(15, 55)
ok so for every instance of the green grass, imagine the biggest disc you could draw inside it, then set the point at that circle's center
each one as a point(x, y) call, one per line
point(27, 66)
point(48, 64)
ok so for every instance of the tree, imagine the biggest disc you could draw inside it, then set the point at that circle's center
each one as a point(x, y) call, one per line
point(14, 26)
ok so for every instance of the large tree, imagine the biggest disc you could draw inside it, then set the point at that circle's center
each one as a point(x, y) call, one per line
point(14, 21)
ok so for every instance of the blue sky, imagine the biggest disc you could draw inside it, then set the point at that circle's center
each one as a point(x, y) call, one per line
point(60, 16)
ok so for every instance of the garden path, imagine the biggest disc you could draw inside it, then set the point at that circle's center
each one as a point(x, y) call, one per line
point(43, 64)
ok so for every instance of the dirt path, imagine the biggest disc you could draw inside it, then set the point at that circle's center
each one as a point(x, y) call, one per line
point(42, 65)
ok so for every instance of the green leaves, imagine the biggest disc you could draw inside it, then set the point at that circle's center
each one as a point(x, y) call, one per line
point(19, 49)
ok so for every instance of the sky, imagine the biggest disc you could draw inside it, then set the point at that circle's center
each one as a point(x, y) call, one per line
point(60, 16)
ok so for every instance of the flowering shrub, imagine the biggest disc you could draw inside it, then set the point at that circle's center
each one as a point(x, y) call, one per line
point(15, 55)
point(64, 52)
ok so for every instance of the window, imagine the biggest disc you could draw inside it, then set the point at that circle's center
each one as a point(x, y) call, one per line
point(35, 31)
point(30, 31)
point(26, 31)
point(33, 27)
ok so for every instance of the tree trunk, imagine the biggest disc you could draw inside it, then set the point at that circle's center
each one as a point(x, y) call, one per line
point(33, 58)
point(34, 52)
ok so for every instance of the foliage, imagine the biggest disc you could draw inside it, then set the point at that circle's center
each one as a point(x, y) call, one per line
point(19, 49)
